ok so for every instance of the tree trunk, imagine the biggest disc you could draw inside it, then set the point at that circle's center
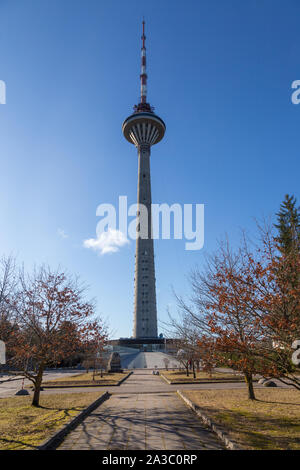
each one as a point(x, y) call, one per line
point(194, 372)
point(187, 370)
point(37, 386)
point(94, 371)
point(249, 382)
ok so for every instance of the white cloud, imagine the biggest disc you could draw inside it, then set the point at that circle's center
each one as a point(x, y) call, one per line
point(107, 242)
point(62, 233)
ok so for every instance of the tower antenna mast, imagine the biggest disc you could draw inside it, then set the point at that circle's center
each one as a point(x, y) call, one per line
point(143, 106)
point(143, 75)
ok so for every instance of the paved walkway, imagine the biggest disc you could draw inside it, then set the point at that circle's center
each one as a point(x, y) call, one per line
point(141, 421)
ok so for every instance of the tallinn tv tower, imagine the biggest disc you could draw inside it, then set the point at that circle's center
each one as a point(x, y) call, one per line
point(143, 129)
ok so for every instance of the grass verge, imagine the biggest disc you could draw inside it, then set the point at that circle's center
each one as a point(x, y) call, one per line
point(181, 377)
point(86, 379)
point(24, 427)
point(270, 422)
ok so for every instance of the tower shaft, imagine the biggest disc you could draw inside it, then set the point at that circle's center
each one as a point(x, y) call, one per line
point(145, 314)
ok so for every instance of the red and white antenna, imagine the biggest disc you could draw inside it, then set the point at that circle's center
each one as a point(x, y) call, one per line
point(143, 75)
point(143, 106)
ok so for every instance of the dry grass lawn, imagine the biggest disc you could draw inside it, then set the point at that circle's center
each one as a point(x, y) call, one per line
point(180, 376)
point(83, 379)
point(270, 422)
point(23, 426)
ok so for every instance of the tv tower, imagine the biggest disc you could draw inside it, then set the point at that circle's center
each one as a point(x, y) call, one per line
point(144, 128)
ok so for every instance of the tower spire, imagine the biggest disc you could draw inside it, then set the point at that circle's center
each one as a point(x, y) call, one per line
point(143, 75)
point(143, 105)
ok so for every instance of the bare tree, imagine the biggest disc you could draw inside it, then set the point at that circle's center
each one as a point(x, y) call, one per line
point(8, 283)
point(185, 334)
point(167, 362)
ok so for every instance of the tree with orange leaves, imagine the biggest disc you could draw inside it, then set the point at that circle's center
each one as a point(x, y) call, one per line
point(271, 277)
point(223, 316)
point(53, 319)
point(246, 307)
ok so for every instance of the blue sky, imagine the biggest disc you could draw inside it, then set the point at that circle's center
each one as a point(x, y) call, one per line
point(220, 75)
